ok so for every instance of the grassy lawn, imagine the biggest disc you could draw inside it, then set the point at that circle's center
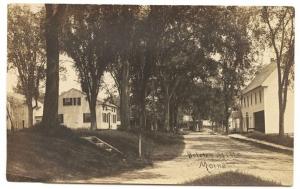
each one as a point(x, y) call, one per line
point(232, 178)
point(45, 155)
point(285, 141)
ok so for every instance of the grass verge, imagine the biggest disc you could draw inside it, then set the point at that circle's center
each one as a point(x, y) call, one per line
point(46, 155)
point(284, 141)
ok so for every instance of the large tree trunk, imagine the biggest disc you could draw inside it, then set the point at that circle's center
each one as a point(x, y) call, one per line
point(142, 105)
point(176, 117)
point(167, 109)
point(173, 115)
point(124, 99)
point(53, 13)
point(226, 117)
point(283, 106)
point(93, 105)
point(12, 125)
point(30, 114)
point(281, 112)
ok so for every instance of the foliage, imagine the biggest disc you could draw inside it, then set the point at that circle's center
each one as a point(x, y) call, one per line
point(87, 39)
point(26, 49)
point(26, 52)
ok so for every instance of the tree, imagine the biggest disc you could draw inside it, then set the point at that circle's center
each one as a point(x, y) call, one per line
point(172, 37)
point(124, 50)
point(54, 14)
point(144, 59)
point(26, 52)
point(88, 34)
point(281, 37)
point(233, 53)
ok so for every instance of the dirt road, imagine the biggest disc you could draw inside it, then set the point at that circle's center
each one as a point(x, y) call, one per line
point(206, 154)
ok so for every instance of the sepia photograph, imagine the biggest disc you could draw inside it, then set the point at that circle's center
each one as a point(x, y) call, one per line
point(191, 95)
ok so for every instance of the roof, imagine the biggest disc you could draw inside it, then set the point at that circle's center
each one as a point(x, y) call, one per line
point(260, 77)
point(72, 89)
point(98, 101)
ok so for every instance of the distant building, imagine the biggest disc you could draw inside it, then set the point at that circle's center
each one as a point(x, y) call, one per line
point(235, 121)
point(74, 112)
point(17, 112)
point(187, 118)
point(207, 123)
point(259, 104)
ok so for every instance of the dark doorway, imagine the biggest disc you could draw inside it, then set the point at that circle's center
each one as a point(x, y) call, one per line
point(259, 121)
point(247, 121)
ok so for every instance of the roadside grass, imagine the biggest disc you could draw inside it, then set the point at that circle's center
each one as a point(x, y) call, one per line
point(124, 141)
point(167, 145)
point(285, 141)
point(155, 145)
point(232, 178)
point(36, 156)
point(164, 138)
point(39, 154)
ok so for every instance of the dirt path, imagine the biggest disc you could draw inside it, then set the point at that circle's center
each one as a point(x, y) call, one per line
point(211, 154)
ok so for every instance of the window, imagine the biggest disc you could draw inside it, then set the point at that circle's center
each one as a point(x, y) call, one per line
point(104, 117)
point(107, 117)
point(248, 101)
point(251, 99)
point(255, 98)
point(86, 117)
point(74, 101)
point(260, 96)
point(67, 101)
point(71, 101)
point(114, 118)
point(244, 102)
point(60, 118)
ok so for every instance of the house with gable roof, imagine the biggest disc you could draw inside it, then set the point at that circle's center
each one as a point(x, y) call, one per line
point(259, 104)
point(74, 112)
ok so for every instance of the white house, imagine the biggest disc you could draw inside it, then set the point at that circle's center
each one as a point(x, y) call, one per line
point(17, 112)
point(74, 112)
point(234, 121)
point(259, 104)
